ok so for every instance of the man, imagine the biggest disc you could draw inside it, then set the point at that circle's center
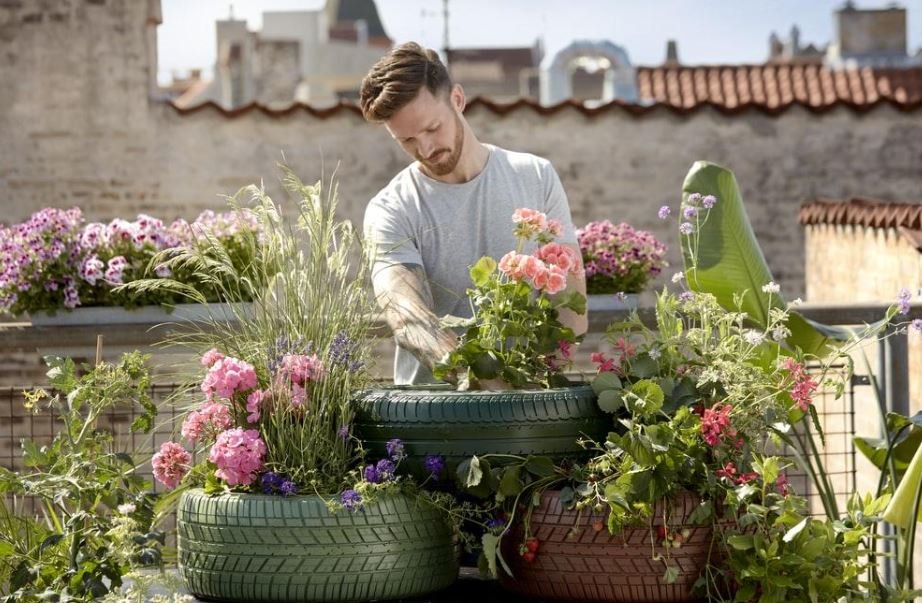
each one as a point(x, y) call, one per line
point(453, 205)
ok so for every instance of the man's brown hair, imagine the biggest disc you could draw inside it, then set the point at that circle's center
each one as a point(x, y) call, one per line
point(397, 78)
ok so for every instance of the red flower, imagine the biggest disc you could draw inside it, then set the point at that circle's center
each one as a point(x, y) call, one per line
point(715, 422)
point(606, 365)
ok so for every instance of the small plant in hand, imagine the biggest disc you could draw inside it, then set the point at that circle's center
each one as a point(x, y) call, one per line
point(515, 334)
point(619, 258)
point(97, 514)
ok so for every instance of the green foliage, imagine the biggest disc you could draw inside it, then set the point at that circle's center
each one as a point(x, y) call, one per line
point(96, 514)
point(515, 334)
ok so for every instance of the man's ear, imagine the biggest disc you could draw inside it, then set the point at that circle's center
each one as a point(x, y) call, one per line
point(458, 102)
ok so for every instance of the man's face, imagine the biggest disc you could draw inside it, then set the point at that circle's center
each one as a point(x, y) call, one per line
point(430, 130)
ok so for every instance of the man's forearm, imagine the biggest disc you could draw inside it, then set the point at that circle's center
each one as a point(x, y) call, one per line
point(407, 303)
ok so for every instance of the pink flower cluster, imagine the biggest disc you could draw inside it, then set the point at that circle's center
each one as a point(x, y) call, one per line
point(238, 455)
point(531, 222)
point(804, 385)
point(171, 464)
point(254, 404)
point(715, 423)
point(546, 270)
point(301, 370)
point(228, 376)
point(729, 472)
point(619, 258)
point(209, 421)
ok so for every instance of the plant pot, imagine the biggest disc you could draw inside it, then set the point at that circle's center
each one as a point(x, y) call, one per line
point(599, 302)
point(151, 315)
point(575, 562)
point(457, 425)
point(249, 547)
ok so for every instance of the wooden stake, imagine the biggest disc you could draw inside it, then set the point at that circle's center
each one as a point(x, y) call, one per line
point(98, 349)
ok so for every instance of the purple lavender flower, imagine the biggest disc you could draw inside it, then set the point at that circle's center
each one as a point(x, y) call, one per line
point(686, 296)
point(690, 212)
point(434, 465)
point(904, 297)
point(709, 201)
point(385, 470)
point(342, 351)
point(394, 449)
point(664, 212)
point(686, 228)
point(351, 500)
point(371, 474)
point(288, 488)
point(916, 324)
point(343, 433)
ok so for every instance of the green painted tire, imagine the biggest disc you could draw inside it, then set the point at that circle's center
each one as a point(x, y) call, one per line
point(456, 425)
point(250, 547)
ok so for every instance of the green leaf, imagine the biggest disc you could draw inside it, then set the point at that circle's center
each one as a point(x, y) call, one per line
point(604, 381)
point(486, 365)
point(469, 472)
point(728, 260)
point(540, 466)
point(649, 397)
point(740, 542)
point(61, 373)
point(482, 271)
point(574, 300)
point(610, 400)
point(510, 484)
point(672, 574)
point(644, 367)
point(456, 322)
point(793, 532)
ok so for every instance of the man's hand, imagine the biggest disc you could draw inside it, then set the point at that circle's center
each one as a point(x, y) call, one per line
point(403, 293)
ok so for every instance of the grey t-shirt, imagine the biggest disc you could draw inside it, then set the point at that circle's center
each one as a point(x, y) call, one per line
point(446, 228)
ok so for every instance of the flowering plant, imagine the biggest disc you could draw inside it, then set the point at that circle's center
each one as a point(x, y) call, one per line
point(274, 411)
point(56, 260)
point(618, 258)
point(515, 334)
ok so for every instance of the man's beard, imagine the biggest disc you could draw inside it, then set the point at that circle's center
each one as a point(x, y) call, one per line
point(447, 165)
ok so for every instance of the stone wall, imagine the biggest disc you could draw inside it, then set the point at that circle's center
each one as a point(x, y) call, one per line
point(79, 128)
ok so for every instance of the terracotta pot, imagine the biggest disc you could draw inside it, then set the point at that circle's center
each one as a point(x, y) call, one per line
point(575, 562)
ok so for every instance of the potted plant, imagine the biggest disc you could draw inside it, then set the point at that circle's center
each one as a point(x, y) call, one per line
point(683, 500)
point(60, 270)
point(620, 261)
point(281, 505)
point(514, 335)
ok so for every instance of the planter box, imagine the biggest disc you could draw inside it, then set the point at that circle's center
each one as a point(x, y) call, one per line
point(252, 547)
point(612, 301)
point(150, 315)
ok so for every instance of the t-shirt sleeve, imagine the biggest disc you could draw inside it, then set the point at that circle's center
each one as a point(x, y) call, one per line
point(389, 231)
point(556, 204)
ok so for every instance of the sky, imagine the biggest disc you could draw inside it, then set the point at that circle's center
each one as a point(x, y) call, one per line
point(707, 31)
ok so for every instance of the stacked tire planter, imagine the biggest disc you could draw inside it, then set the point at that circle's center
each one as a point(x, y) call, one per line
point(457, 425)
point(577, 561)
point(248, 547)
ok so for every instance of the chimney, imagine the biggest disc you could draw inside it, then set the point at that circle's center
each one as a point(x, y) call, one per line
point(672, 54)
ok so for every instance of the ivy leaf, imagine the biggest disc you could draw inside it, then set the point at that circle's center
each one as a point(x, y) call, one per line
point(482, 271)
point(470, 472)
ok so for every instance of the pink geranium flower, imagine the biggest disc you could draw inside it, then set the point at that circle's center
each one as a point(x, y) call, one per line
point(228, 376)
point(171, 464)
point(238, 455)
point(209, 421)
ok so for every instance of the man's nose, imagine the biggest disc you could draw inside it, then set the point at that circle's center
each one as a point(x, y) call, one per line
point(426, 146)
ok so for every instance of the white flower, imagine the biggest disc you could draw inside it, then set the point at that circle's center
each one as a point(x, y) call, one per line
point(126, 508)
point(753, 337)
point(678, 276)
point(654, 353)
point(771, 287)
point(796, 302)
point(780, 333)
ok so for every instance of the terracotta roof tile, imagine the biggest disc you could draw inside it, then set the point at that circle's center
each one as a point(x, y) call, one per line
point(776, 86)
point(861, 211)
